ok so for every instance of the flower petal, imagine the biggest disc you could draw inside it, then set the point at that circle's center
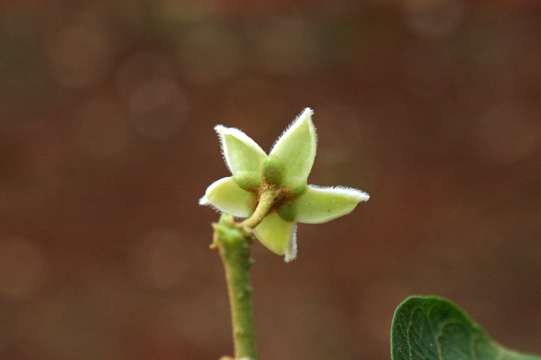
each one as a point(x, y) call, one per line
point(241, 153)
point(296, 149)
point(226, 196)
point(321, 204)
point(278, 235)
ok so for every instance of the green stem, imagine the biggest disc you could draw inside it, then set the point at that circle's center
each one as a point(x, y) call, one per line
point(233, 241)
point(266, 202)
point(234, 246)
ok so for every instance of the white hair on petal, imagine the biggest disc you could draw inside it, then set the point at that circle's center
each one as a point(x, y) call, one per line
point(223, 131)
point(291, 251)
point(306, 113)
point(358, 195)
point(204, 201)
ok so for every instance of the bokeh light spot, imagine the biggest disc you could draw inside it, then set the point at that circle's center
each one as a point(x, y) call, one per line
point(506, 135)
point(102, 130)
point(156, 259)
point(200, 49)
point(433, 18)
point(81, 54)
point(156, 103)
point(22, 267)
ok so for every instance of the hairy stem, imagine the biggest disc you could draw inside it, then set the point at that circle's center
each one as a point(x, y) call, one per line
point(233, 244)
point(233, 241)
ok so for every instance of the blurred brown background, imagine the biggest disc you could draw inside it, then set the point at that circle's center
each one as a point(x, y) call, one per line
point(106, 144)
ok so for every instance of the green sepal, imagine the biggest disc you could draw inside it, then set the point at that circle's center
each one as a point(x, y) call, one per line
point(226, 196)
point(321, 204)
point(296, 149)
point(241, 153)
point(278, 235)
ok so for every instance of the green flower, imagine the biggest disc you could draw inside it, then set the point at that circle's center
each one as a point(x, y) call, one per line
point(278, 179)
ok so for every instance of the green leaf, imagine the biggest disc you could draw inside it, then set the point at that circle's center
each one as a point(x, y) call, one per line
point(243, 156)
point(321, 204)
point(296, 150)
point(278, 235)
point(431, 328)
point(226, 196)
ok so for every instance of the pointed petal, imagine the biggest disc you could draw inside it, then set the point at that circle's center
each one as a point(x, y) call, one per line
point(278, 235)
point(226, 196)
point(242, 154)
point(296, 149)
point(321, 204)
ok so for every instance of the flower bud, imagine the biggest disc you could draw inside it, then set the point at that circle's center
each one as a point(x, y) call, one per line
point(247, 180)
point(298, 189)
point(288, 211)
point(273, 171)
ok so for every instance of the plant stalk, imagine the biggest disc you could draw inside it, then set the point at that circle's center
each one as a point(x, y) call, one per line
point(233, 241)
point(265, 204)
point(234, 250)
